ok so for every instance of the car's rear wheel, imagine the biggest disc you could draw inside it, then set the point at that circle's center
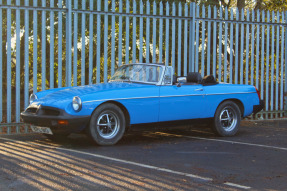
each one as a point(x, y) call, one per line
point(107, 124)
point(227, 119)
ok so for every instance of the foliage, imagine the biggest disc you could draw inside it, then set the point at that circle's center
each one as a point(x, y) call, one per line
point(275, 5)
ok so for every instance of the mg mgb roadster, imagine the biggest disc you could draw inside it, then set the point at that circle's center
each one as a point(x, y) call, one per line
point(141, 94)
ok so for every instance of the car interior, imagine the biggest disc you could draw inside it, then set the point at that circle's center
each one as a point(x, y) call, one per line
point(194, 78)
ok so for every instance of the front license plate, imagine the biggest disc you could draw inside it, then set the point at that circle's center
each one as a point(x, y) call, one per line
point(45, 130)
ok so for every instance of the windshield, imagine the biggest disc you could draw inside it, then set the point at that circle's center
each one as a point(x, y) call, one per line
point(142, 73)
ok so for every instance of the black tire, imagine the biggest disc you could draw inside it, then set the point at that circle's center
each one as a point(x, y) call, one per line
point(57, 137)
point(107, 124)
point(226, 119)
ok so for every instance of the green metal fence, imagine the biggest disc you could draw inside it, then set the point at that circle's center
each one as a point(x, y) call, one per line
point(50, 44)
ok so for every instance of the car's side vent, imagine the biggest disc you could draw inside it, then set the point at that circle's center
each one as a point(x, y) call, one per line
point(51, 112)
point(31, 110)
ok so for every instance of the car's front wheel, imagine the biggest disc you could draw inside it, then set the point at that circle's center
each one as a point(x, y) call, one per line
point(107, 124)
point(227, 119)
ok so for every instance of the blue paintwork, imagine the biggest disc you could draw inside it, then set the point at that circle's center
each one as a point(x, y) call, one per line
point(178, 107)
point(145, 99)
point(148, 103)
point(231, 91)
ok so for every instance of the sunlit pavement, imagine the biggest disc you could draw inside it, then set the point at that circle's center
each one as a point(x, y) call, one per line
point(179, 159)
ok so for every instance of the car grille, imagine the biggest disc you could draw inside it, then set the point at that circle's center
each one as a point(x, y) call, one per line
point(50, 112)
point(32, 110)
point(43, 111)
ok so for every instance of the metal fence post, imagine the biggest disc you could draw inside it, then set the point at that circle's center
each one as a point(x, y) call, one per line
point(1, 64)
point(285, 92)
point(192, 32)
point(68, 43)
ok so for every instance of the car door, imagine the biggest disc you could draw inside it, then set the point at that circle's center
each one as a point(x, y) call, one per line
point(142, 103)
point(181, 102)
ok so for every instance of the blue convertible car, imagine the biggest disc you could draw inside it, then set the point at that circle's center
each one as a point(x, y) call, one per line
point(140, 94)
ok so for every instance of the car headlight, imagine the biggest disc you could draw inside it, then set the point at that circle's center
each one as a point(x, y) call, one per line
point(33, 97)
point(77, 103)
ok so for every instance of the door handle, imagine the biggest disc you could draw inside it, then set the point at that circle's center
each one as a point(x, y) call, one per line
point(199, 89)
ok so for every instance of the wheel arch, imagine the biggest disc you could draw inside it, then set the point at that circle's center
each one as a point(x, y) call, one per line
point(237, 102)
point(122, 107)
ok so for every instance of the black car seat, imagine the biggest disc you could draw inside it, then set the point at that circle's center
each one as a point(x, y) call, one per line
point(193, 78)
point(209, 80)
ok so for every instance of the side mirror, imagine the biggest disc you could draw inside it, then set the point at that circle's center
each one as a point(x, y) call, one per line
point(178, 84)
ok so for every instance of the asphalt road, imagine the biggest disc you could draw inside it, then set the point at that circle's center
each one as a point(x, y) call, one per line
point(178, 159)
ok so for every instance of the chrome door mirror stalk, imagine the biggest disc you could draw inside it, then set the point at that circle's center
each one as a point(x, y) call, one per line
point(178, 84)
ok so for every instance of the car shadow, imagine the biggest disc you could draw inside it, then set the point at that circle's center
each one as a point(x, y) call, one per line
point(143, 137)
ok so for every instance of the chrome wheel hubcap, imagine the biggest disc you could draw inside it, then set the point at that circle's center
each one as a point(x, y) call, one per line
point(108, 125)
point(228, 119)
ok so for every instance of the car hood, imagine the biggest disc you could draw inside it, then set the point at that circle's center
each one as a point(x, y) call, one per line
point(58, 97)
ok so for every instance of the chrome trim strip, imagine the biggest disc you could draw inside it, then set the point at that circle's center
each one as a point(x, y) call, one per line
point(166, 96)
point(121, 99)
point(172, 72)
point(232, 93)
point(150, 64)
point(131, 81)
point(184, 95)
point(207, 94)
point(161, 78)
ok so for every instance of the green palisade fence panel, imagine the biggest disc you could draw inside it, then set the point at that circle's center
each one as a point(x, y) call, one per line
point(91, 43)
point(147, 32)
point(209, 40)
point(185, 41)
point(99, 42)
point(225, 45)
point(203, 42)
point(1, 65)
point(214, 41)
point(113, 39)
point(141, 34)
point(76, 42)
point(120, 51)
point(106, 43)
point(220, 47)
point(83, 50)
point(75, 68)
point(231, 52)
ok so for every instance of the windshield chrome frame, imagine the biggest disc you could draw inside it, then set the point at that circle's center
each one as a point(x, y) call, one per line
point(171, 77)
point(148, 64)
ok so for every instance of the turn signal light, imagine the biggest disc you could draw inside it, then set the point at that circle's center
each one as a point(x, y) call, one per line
point(63, 122)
